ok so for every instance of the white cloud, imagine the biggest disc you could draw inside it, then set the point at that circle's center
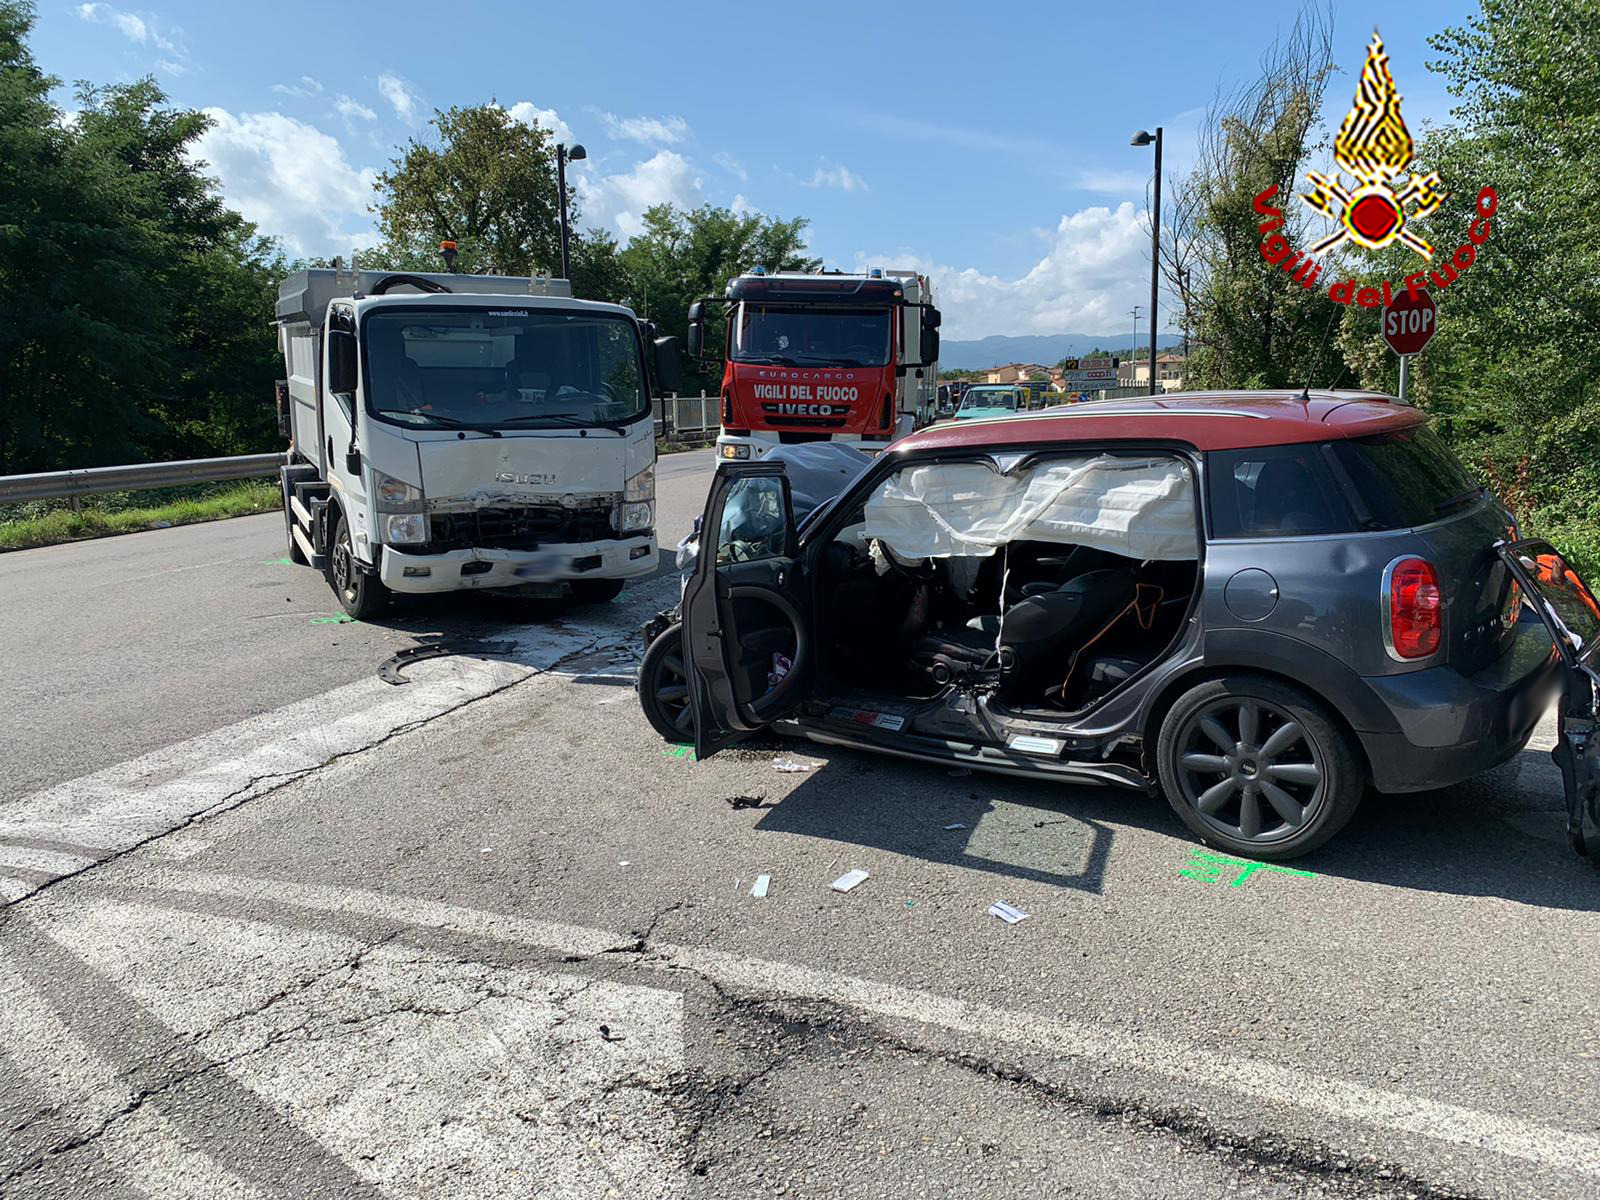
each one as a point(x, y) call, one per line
point(743, 208)
point(618, 201)
point(304, 90)
point(143, 30)
point(400, 97)
point(1096, 268)
point(1113, 182)
point(842, 178)
point(731, 165)
point(664, 131)
point(353, 109)
point(545, 118)
point(291, 179)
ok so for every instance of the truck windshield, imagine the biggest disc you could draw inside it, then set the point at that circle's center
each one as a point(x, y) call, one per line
point(523, 369)
point(811, 337)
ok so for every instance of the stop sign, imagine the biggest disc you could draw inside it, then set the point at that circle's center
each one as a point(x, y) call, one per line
point(1409, 324)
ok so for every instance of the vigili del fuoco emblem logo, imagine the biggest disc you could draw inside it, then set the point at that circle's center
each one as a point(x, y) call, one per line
point(1375, 148)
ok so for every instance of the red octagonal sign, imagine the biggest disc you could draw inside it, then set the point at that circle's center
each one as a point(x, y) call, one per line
point(1409, 323)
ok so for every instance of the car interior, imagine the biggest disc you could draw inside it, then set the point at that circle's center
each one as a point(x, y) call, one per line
point(1046, 585)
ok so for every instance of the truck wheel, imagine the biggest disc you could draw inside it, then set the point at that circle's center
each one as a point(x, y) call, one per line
point(664, 687)
point(1257, 768)
point(595, 591)
point(362, 595)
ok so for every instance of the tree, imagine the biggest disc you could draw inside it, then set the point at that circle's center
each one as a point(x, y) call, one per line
point(134, 307)
point(489, 184)
point(686, 255)
point(1248, 324)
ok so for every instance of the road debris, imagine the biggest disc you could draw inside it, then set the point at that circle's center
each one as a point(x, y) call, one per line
point(389, 672)
point(956, 825)
point(959, 773)
point(1006, 912)
point(738, 802)
point(789, 764)
point(608, 1036)
point(849, 880)
point(759, 889)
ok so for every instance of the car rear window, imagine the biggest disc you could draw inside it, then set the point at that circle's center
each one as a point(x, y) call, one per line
point(1274, 491)
point(1399, 480)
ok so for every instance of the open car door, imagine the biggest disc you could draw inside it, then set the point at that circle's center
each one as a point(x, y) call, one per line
point(1572, 614)
point(747, 633)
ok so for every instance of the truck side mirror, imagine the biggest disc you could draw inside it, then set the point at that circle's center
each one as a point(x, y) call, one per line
point(931, 318)
point(697, 341)
point(930, 345)
point(341, 362)
point(669, 363)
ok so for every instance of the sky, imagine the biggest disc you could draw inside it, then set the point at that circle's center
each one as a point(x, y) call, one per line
point(984, 144)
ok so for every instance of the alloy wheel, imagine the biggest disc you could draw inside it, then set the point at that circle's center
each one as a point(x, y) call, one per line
point(1250, 770)
point(671, 686)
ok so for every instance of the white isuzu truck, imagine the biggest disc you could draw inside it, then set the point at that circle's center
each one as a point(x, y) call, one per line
point(452, 432)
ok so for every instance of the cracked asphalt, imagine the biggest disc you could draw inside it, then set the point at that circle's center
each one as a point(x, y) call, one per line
point(280, 929)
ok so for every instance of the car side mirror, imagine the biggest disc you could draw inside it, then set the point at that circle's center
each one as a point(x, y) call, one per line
point(341, 362)
point(669, 363)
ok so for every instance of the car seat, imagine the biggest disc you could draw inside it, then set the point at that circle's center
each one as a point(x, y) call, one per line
point(1034, 636)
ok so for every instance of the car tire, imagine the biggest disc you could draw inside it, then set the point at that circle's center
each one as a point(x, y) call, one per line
point(363, 596)
point(664, 687)
point(1258, 768)
point(596, 591)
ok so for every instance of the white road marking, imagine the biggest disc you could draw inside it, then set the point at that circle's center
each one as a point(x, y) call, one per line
point(124, 805)
point(1560, 1149)
point(428, 1075)
point(56, 862)
point(72, 1081)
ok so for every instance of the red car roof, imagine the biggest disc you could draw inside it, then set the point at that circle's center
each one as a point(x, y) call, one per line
point(1204, 420)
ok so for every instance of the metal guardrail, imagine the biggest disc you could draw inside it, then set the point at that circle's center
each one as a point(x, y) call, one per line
point(53, 485)
point(688, 416)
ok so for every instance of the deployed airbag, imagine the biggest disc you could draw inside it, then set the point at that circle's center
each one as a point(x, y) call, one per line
point(1142, 508)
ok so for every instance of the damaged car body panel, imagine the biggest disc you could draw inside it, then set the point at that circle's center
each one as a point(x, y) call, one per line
point(1259, 604)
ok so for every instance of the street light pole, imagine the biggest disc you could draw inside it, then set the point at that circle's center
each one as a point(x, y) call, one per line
point(1133, 348)
point(563, 156)
point(1144, 139)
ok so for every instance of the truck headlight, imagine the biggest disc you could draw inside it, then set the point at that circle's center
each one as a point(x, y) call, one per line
point(394, 495)
point(637, 516)
point(405, 529)
point(735, 451)
point(641, 486)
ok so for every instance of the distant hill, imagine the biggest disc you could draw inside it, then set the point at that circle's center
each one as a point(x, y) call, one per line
point(1044, 349)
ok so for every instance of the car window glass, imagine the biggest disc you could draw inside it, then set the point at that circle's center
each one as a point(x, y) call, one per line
point(754, 521)
point(1276, 491)
point(1575, 607)
point(1401, 480)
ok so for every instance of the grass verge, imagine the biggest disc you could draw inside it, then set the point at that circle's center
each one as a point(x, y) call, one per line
point(105, 517)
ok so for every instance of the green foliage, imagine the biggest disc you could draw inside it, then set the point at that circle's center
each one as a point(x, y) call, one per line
point(683, 256)
point(133, 305)
point(131, 512)
point(488, 183)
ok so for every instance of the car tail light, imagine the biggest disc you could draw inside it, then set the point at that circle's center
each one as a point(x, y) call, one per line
point(1416, 609)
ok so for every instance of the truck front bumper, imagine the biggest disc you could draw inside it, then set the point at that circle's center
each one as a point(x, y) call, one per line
point(463, 570)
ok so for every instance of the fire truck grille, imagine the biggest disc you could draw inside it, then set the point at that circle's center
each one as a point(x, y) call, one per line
point(519, 528)
point(776, 418)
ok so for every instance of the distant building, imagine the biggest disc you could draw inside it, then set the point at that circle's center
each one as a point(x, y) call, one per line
point(1017, 373)
point(1169, 372)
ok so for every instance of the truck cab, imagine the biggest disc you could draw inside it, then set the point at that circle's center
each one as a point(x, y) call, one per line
point(822, 357)
point(458, 432)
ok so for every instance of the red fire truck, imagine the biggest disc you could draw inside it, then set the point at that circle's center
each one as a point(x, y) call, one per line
point(824, 357)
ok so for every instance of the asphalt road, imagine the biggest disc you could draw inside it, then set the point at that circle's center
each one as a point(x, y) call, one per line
point(282, 929)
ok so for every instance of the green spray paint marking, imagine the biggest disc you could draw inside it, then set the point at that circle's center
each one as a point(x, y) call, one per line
point(1208, 867)
point(680, 752)
point(276, 562)
point(341, 619)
